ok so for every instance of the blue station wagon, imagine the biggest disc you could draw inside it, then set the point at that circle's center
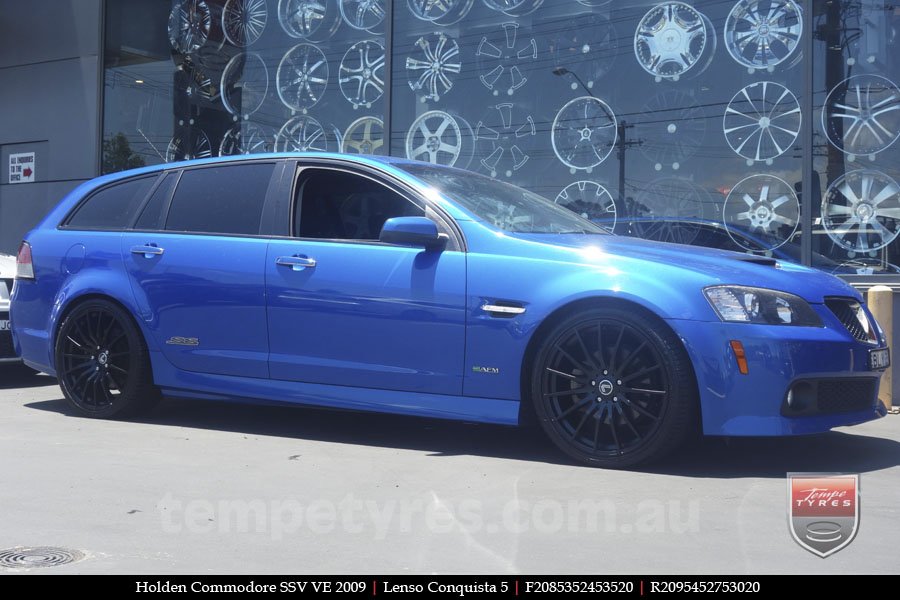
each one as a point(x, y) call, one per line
point(388, 285)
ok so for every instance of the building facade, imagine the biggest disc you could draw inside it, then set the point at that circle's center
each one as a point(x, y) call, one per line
point(700, 122)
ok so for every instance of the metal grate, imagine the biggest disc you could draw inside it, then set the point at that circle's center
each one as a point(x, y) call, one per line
point(845, 395)
point(851, 316)
point(28, 558)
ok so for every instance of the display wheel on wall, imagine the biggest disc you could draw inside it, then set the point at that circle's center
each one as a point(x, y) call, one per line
point(243, 21)
point(669, 210)
point(362, 73)
point(504, 139)
point(305, 134)
point(245, 84)
point(438, 137)
point(247, 138)
point(365, 15)
point(671, 39)
point(189, 25)
point(311, 20)
point(861, 211)
point(590, 200)
point(364, 136)
point(503, 59)
point(197, 84)
point(862, 115)
point(302, 77)
point(440, 12)
point(762, 121)
point(585, 46)
point(761, 34)
point(188, 146)
point(671, 129)
point(433, 65)
point(514, 8)
point(761, 213)
point(584, 133)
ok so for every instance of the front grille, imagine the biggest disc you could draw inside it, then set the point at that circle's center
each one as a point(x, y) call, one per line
point(852, 317)
point(829, 396)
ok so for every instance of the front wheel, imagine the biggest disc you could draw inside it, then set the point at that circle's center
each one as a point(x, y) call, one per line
point(102, 362)
point(613, 388)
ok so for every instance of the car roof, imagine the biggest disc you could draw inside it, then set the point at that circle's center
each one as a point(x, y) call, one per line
point(370, 160)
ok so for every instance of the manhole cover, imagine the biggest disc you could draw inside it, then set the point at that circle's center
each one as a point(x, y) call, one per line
point(28, 558)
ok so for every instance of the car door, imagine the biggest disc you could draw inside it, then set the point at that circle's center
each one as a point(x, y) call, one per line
point(196, 263)
point(345, 309)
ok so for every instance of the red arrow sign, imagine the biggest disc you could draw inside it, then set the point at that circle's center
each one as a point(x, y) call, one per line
point(27, 172)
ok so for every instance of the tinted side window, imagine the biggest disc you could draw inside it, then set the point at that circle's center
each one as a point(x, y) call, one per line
point(227, 199)
point(113, 207)
point(343, 206)
point(152, 216)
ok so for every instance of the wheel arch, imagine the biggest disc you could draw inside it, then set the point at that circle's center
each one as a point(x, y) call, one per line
point(65, 306)
point(527, 416)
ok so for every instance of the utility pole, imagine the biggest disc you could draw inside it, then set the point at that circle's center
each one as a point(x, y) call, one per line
point(622, 145)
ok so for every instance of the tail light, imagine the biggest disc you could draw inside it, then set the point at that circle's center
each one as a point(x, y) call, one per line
point(24, 267)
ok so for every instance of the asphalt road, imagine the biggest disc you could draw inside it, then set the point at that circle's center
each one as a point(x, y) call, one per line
point(202, 487)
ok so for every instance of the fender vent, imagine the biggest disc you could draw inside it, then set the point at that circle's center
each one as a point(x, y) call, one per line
point(503, 309)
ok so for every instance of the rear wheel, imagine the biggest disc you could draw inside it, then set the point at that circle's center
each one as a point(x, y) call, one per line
point(613, 388)
point(102, 362)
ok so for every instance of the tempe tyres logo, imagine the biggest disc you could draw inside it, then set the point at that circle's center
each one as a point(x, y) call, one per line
point(823, 511)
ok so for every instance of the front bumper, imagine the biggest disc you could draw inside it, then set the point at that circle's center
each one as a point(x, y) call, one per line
point(780, 359)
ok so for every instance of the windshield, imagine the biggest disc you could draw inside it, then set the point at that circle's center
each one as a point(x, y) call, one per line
point(504, 206)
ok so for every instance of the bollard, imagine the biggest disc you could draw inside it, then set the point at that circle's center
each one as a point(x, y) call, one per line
point(881, 303)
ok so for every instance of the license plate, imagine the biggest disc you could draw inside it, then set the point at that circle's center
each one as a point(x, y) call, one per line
point(4, 325)
point(879, 359)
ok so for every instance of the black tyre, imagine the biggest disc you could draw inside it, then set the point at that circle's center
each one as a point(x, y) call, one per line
point(102, 362)
point(613, 388)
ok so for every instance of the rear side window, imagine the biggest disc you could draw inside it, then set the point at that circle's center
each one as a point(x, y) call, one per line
point(227, 199)
point(152, 216)
point(112, 207)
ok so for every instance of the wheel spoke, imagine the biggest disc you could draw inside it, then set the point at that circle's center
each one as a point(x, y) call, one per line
point(575, 406)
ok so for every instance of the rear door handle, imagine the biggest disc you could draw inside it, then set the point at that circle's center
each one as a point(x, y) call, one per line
point(297, 263)
point(148, 251)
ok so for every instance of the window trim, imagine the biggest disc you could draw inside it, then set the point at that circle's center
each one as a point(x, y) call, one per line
point(176, 173)
point(65, 223)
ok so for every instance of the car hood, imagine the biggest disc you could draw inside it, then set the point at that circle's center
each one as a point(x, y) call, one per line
point(7, 266)
point(710, 265)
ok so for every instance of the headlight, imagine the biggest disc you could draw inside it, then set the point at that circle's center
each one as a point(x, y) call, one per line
point(738, 304)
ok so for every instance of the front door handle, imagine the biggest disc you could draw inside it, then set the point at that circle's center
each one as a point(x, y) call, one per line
point(297, 263)
point(148, 251)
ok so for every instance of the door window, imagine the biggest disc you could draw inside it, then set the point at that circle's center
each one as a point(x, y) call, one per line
point(337, 205)
point(228, 199)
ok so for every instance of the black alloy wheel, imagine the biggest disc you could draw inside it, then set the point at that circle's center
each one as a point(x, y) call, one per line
point(614, 388)
point(102, 362)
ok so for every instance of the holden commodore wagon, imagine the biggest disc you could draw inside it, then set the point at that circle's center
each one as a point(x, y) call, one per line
point(382, 284)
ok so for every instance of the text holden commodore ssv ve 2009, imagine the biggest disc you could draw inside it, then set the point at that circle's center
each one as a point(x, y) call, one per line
point(390, 285)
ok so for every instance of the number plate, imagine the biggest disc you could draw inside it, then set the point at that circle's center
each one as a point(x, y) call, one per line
point(879, 359)
point(4, 325)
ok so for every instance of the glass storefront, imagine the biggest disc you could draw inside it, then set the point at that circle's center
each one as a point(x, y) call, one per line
point(675, 121)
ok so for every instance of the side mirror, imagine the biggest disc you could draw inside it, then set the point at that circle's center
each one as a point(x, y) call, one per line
point(412, 231)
